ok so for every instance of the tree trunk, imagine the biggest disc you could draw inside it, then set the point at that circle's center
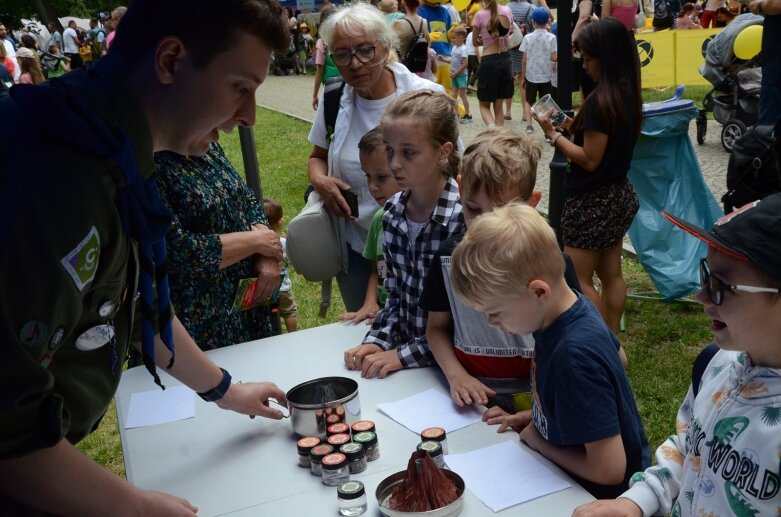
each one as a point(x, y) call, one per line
point(46, 13)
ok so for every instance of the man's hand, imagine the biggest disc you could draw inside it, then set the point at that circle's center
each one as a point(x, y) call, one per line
point(620, 507)
point(253, 398)
point(466, 390)
point(517, 422)
point(160, 503)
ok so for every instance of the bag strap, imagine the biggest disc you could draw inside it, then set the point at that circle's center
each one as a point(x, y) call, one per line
point(325, 296)
point(701, 364)
point(413, 27)
point(332, 95)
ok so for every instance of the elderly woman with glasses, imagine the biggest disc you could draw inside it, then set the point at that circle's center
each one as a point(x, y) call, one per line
point(361, 44)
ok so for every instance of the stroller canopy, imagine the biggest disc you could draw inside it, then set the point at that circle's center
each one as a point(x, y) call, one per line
point(720, 53)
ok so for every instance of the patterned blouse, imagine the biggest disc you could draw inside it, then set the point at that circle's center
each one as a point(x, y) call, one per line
point(208, 198)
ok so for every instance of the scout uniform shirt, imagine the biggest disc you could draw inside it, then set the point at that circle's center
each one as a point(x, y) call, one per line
point(67, 266)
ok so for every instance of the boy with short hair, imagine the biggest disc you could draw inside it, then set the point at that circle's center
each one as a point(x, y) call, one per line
point(583, 417)
point(459, 61)
point(539, 51)
point(724, 456)
point(382, 186)
point(481, 363)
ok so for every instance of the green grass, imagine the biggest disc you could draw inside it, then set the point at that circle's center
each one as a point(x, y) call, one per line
point(661, 339)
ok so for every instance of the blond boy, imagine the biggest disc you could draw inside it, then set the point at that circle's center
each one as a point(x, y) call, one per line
point(583, 417)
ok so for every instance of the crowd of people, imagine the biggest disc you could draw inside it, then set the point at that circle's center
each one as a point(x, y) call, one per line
point(158, 243)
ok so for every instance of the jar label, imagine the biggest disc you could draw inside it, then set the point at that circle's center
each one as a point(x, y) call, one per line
point(309, 441)
point(433, 432)
point(351, 487)
point(334, 459)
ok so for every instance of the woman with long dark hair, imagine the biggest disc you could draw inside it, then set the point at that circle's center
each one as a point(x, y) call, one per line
point(601, 202)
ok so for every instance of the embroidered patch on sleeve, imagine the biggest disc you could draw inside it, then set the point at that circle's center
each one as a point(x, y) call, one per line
point(82, 262)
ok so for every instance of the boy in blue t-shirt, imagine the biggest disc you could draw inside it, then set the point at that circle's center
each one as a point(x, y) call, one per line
point(583, 416)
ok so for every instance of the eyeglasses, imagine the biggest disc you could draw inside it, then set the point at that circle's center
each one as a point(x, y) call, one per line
point(345, 57)
point(715, 287)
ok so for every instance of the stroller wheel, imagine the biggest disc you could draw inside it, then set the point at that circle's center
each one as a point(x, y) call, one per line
point(702, 127)
point(732, 131)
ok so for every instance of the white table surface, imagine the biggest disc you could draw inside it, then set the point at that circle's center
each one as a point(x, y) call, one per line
point(227, 464)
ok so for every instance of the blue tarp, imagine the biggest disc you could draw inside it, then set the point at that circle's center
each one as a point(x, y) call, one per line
point(666, 176)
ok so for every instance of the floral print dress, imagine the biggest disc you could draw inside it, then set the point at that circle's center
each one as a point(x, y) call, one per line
point(208, 198)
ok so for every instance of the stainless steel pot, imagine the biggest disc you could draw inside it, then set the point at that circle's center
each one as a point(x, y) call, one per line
point(316, 404)
point(386, 486)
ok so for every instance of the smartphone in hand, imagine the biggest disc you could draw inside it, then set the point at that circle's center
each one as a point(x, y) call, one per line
point(352, 201)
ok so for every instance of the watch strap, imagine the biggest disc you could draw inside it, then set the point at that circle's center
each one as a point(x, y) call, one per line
point(218, 391)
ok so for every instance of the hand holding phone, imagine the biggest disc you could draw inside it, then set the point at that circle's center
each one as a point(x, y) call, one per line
point(352, 201)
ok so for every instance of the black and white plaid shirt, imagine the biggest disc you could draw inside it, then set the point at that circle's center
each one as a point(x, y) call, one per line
point(401, 324)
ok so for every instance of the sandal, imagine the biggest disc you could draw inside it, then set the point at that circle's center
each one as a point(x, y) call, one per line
point(508, 116)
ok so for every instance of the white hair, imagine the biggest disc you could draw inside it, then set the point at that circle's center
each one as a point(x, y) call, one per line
point(359, 19)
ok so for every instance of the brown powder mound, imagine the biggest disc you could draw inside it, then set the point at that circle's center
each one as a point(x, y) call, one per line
point(424, 488)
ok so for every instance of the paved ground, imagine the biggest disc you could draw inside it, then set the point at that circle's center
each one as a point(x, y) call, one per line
point(292, 95)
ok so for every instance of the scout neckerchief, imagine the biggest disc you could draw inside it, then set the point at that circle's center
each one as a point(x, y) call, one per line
point(144, 216)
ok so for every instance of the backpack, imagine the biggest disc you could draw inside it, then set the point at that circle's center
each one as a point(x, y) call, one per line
point(416, 58)
point(663, 16)
point(701, 364)
point(752, 171)
point(96, 47)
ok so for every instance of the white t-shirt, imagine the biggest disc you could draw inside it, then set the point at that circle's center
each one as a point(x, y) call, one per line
point(538, 47)
point(366, 115)
point(11, 53)
point(71, 41)
point(470, 46)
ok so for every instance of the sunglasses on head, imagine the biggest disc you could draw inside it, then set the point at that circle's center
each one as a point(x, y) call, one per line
point(715, 287)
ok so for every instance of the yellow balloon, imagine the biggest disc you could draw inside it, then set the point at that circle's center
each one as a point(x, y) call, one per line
point(748, 42)
point(460, 5)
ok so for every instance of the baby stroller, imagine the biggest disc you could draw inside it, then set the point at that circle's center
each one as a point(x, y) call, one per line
point(284, 64)
point(734, 99)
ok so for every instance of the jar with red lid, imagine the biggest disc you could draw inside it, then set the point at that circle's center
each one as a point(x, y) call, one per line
point(362, 426)
point(305, 445)
point(335, 469)
point(316, 456)
point(337, 428)
point(436, 434)
point(337, 440)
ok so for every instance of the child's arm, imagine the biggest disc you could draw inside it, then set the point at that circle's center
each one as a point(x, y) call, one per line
point(318, 80)
point(517, 422)
point(602, 461)
point(369, 308)
point(464, 388)
point(523, 70)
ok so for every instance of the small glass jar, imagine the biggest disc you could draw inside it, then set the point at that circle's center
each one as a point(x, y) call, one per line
point(316, 456)
point(337, 440)
point(436, 434)
point(356, 456)
point(337, 428)
point(369, 441)
point(352, 498)
point(362, 426)
point(434, 450)
point(335, 469)
point(305, 445)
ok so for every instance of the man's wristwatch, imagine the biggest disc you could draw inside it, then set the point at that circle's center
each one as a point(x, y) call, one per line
point(218, 391)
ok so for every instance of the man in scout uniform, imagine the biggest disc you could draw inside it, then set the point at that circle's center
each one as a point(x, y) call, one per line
point(82, 237)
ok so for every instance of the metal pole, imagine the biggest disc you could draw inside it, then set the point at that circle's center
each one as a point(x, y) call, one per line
point(247, 140)
point(558, 165)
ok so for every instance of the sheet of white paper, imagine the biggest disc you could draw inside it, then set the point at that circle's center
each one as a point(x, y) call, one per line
point(504, 475)
point(440, 411)
point(160, 406)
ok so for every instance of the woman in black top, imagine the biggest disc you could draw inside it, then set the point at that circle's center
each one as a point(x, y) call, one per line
point(601, 202)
